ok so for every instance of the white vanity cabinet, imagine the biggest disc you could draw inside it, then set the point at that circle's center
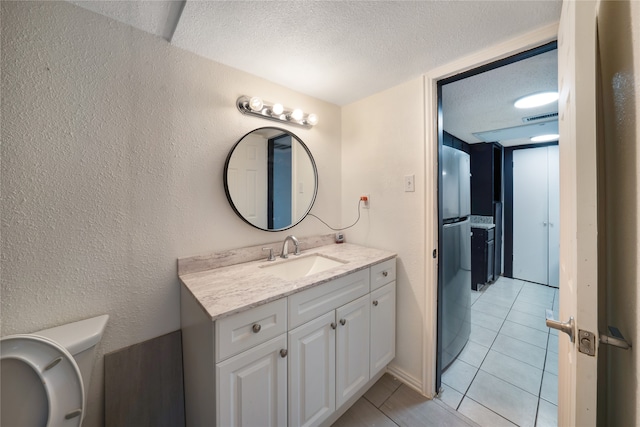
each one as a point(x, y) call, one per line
point(352, 349)
point(383, 327)
point(300, 360)
point(312, 371)
point(251, 388)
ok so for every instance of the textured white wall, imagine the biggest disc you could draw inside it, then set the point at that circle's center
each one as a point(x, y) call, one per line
point(113, 145)
point(619, 40)
point(382, 141)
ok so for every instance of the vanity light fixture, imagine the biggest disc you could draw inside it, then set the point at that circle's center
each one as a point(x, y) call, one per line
point(255, 106)
point(536, 100)
point(545, 138)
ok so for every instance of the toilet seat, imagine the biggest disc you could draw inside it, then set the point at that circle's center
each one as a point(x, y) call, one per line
point(57, 372)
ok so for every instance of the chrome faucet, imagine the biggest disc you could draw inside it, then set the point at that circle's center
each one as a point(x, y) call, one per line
point(285, 246)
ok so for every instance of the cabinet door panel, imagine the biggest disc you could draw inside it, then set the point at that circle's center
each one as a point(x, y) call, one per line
point(252, 387)
point(352, 345)
point(312, 371)
point(383, 327)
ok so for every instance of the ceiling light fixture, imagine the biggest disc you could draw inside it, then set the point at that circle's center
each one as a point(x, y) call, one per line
point(546, 138)
point(255, 106)
point(536, 100)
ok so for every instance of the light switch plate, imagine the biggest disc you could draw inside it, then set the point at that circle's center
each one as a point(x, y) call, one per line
point(409, 183)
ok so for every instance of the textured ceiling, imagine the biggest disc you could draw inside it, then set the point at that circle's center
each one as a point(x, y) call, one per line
point(338, 51)
point(484, 102)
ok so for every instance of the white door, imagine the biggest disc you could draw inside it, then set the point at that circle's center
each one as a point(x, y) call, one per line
point(530, 215)
point(577, 382)
point(553, 173)
point(352, 337)
point(252, 386)
point(536, 215)
point(247, 179)
point(312, 371)
point(383, 327)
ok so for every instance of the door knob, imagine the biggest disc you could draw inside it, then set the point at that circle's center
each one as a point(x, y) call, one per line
point(566, 327)
point(343, 321)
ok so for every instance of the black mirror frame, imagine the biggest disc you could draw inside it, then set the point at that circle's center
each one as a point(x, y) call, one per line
point(315, 175)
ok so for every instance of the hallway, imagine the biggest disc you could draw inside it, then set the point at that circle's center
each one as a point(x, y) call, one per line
point(507, 373)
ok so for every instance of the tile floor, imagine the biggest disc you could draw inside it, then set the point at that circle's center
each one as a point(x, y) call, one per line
point(507, 373)
point(505, 376)
point(389, 403)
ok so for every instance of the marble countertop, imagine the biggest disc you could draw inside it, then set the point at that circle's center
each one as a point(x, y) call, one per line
point(228, 290)
point(485, 226)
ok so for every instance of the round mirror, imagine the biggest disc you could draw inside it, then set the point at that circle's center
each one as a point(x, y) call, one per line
point(271, 179)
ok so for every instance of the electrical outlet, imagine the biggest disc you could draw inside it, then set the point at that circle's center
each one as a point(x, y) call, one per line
point(409, 183)
point(366, 201)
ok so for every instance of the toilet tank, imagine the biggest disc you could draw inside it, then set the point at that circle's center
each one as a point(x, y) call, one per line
point(80, 339)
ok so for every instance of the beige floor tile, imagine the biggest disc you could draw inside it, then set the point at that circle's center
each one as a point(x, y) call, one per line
point(481, 415)
point(505, 399)
point(459, 375)
point(382, 390)
point(513, 371)
point(520, 350)
point(408, 408)
point(482, 336)
point(547, 414)
point(549, 391)
point(363, 414)
point(450, 397)
point(525, 333)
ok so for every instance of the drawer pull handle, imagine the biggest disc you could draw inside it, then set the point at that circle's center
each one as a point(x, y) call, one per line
point(385, 273)
point(333, 325)
point(343, 321)
point(283, 353)
point(375, 302)
point(256, 328)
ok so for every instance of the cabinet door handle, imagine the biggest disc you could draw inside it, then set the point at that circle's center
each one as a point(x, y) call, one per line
point(256, 328)
point(385, 273)
point(283, 353)
point(375, 303)
point(333, 325)
point(343, 321)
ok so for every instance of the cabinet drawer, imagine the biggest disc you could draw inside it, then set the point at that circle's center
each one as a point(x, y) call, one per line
point(383, 273)
point(309, 304)
point(249, 328)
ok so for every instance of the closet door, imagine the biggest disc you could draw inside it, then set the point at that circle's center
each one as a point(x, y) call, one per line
point(553, 164)
point(530, 215)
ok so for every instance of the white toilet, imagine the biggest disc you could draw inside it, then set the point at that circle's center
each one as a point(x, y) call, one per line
point(44, 375)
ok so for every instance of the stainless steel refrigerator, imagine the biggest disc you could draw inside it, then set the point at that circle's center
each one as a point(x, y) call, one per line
point(455, 255)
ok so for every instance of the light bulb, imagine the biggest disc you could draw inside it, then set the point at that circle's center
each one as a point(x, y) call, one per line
point(297, 114)
point(536, 100)
point(545, 138)
point(312, 119)
point(256, 103)
point(277, 109)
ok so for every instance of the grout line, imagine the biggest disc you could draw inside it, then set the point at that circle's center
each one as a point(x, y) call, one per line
point(489, 409)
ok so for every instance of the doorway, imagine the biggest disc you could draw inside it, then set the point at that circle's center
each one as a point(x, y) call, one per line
point(499, 375)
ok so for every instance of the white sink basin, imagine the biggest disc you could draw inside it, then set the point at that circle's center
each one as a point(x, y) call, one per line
point(297, 267)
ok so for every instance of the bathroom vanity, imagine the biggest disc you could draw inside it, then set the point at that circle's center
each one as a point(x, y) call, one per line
point(288, 342)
